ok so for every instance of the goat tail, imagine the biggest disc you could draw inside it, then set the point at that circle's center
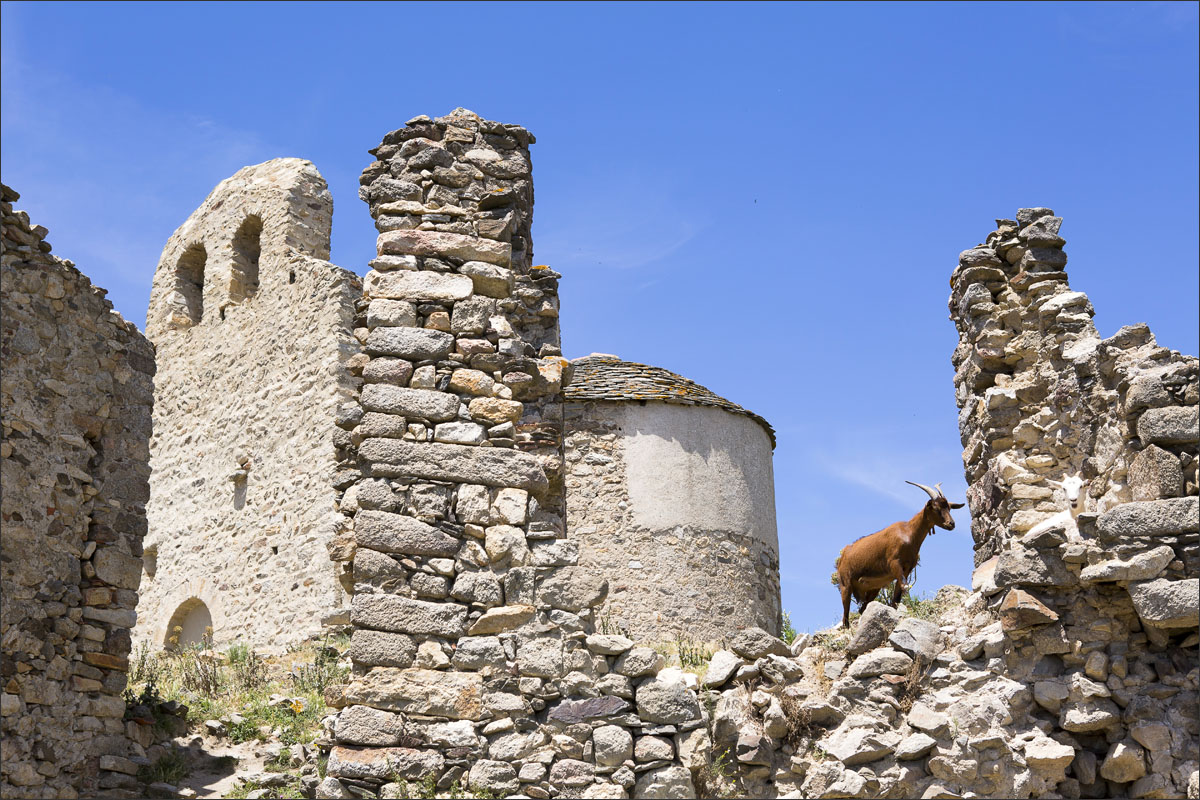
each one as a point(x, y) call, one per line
point(837, 562)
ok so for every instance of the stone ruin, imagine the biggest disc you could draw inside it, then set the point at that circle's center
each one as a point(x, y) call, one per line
point(76, 393)
point(475, 474)
point(252, 327)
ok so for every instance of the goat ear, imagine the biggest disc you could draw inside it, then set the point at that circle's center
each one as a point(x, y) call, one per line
point(957, 505)
point(1054, 483)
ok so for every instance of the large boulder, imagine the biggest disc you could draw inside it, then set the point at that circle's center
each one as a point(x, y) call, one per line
point(667, 702)
point(1165, 603)
point(873, 627)
point(666, 783)
point(917, 637)
point(884, 661)
point(754, 643)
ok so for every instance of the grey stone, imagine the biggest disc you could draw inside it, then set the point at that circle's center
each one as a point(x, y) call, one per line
point(1174, 425)
point(1155, 474)
point(456, 695)
point(754, 643)
point(611, 745)
point(572, 589)
point(913, 746)
point(721, 668)
point(1049, 758)
point(1165, 603)
point(489, 280)
point(382, 763)
point(859, 745)
point(540, 658)
point(1022, 566)
point(420, 403)
point(478, 652)
point(331, 789)
point(883, 661)
point(574, 711)
point(831, 779)
point(425, 285)
point(490, 466)
point(924, 718)
point(116, 568)
point(481, 588)
point(368, 726)
point(415, 344)
point(494, 776)
point(1141, 567)
point(1151, 518)
point(370, 564)
point(403, 615)
point(653, 748)
point(1050, 695)
point(470, 316)
point(469, 433)
point(382, 649)
point(572, 773)
point(638, 662)
point(917, 637)
point(387, 313)
point(397, 533)
point(444, 245)
point(666, 783)
point(872, 628)
point(1125, 762)
point(1090, 716)
point(667, 702)
point(608, 644)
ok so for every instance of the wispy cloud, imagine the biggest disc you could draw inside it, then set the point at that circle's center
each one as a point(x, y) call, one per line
point(110, 176)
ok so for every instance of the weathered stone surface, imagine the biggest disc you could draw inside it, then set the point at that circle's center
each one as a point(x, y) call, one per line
point(1165, 603)
point(1170, 426)
point(1020, 609)
point(446, 245)
point(1089, 716)
point(478, 653)
point(917, 637)
point(666, 783)
point(498, 620)
point(832, 779)
point(754, 643)
point(540, 658)
point(419, 403)
point(721, 668)
point(883, 661)
point(570, 712)
point(916, 745)
point(1151, 519)
point(1048, 758)
point(638, 662)
point(572, 589)
point(612, 745)
point(331, 789)
point(872, 628)
point(489, 279)
point(607, 644)
point(481, 588)
point(495, 410)
point(457, 695)
point(1155, 474)
point(490, 466)
point(397, 533)
point(117, 569)
point(859, 745)
point(417, 286)
point(385, 313)
point(494, 776)
point(666, 702)
point(380, 763)
point(404, 615)
point(572, 773)
point(382, 649)
point(363, 725)
point(1125, 762)
point(1141, 567)
point(415, 344)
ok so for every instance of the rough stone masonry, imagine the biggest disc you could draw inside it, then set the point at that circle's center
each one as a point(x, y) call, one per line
point(77, 394)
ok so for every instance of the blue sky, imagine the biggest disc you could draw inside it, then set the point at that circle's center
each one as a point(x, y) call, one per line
point(768, 199)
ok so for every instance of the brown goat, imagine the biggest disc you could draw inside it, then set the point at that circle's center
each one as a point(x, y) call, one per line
point(869, 564)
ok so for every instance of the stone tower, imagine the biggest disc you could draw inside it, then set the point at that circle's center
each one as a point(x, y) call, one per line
point(252, 328)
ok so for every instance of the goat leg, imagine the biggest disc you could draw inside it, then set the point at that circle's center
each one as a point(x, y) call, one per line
point(898, 590)
point(845, 587)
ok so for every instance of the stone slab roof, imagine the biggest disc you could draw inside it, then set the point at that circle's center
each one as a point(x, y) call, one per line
point(606, 377)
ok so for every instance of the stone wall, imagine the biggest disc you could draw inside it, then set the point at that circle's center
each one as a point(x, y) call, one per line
point(675, 506)
point(1070, 669)
point(77, 393)
point(254, 331)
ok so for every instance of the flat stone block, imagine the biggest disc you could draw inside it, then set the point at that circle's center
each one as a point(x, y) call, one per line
point(438, 287)
point(489, 466)
point(448, 245)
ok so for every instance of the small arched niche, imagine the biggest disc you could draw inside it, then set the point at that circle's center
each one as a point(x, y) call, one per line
point(190, 624)
point(150, 560)
point(247, 248)
point(189, 283)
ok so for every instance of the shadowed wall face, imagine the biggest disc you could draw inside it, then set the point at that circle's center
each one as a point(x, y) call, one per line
point(74, 466)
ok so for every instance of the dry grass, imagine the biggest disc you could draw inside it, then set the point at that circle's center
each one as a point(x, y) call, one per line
point(908, 690)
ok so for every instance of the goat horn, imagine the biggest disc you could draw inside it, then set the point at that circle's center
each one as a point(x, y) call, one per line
point(938, 486)
point(932, 494)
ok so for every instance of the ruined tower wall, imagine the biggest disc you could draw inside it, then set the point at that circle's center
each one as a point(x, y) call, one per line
point(675, 505)
point(472, 655)
point(76, 393)
point(253, 328)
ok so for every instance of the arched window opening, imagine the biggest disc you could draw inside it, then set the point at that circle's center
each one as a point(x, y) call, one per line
point(189, 284)
point(247, 247)
point(190, 624)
